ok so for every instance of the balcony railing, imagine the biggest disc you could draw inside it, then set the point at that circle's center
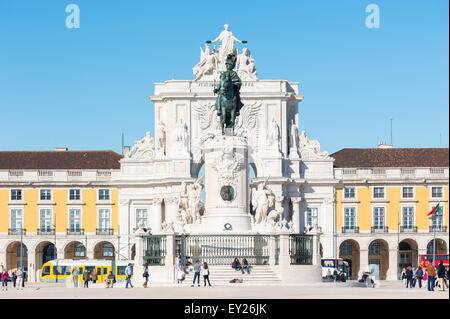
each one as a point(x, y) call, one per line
point(75, 231)
point(379, 229)
point(438, 228)
point(105, 231)
point(16, 231)
point(408, 229)
point(46, 231)
point(354, 229)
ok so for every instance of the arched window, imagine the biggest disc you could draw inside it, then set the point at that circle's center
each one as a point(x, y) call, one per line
point(108, 250)
point(79, 250)
point(374, 248)
point(346, 248)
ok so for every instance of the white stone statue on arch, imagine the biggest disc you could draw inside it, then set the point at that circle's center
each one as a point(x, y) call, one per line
point(227, 44)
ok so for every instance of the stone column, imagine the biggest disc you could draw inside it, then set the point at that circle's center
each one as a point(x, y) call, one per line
point(170, 253)
point(3, 258)
point(363, 261)
point(139, 258)
point(31, 266)
point(392, 273)
point(272, 250)
point(285, 257)
point(90, 253)
point(296, 214)
point(316, 249)
point(171, 208)
point(155, 216)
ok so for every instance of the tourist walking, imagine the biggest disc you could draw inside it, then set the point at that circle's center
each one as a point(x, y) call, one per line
point(414, 278)
point(75, 274)
point(403, 276)
point(446, 277)
point(205, 273)
point(197, 268)
point(441, 276)
point(94, 276)
point(86, 276)
point(145, 275)
point(129, 273)
point(419, 276)
point(431, 274)
point(409, 275)
point(110, 280)
point(245, 265)
point(4, 276)
point(20, 278)
point(14, 278)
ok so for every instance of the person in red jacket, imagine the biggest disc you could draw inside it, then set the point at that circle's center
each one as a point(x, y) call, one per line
point(4, 276)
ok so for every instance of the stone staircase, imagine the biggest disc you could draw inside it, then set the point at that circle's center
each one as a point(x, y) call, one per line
point(221, 275)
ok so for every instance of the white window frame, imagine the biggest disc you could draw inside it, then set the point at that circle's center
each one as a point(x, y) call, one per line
point(413, 192)
point(378, 198)
point(384, 216)
point(68, 217)
point(442, 207)
point(109, 194)
point(21, 194)
point(11, 215)
point(51, 216)
point(45, 189)
point(349, 198)
point(110, 217)
point(413, 215)
point(74, 200)
point(436, 198)
point(355, 216)
point(306, 216)
point(146, 225)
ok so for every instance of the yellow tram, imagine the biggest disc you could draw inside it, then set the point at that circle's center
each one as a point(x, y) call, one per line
point(60, 270)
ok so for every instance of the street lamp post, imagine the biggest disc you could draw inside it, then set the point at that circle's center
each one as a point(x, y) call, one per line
point(21, 246)
point(54, 250)
point(398, 244)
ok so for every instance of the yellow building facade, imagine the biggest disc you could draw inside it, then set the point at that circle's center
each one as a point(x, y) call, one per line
point(381, 210)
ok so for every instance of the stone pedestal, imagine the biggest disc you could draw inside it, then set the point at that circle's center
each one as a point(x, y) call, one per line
point(226, 184)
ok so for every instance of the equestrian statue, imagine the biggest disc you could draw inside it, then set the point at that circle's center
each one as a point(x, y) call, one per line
point(228, 103)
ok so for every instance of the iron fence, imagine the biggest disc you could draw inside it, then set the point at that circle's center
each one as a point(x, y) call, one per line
point(222, 249)
point(155, 250)
point(301, 249)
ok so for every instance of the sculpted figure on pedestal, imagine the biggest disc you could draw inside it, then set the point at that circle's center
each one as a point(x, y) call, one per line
point(293, 136)
point(189, 204)
point(162, 137)
point(207, 65)
point(228, 103)
point(143, 149)
point(310, 149)
point(182, 134)
point(262, 199)
point(274, 134)
point(246, 69)
point(227, 38)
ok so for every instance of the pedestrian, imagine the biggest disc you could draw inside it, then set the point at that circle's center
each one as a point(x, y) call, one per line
point(14, 278)
point(205, 273)
point(245, 265)
point(441, 276)
point(181, 275)
point(20, 278)
point(419, 276)
point(431, 274)
point(86, 276)
point(129, 273)
point(4, 276)
point(414, 278)
point(110, 280)
point(446, 277)
point(75, 274)
point(409, 275)
point(403, 276)
point(94, 276)
point(145, 275)
point(236, 264)
point(25, 278)
point(197, 268)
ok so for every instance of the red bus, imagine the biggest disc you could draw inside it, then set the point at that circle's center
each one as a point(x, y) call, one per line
point(426, 259)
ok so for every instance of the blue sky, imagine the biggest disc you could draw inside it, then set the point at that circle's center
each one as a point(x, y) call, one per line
point(82, 88)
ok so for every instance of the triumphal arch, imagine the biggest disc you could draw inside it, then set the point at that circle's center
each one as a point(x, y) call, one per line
point(211, 174)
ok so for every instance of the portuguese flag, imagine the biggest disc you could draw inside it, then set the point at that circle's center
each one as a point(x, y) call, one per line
point(436, 209)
